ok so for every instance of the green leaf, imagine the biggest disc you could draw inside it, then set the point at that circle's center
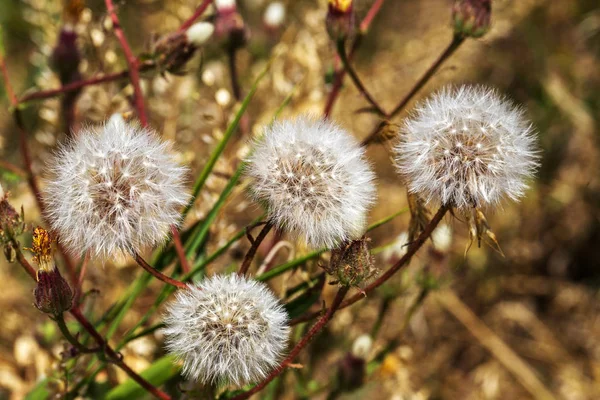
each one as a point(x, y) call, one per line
point(161, 371)
point(39, 392)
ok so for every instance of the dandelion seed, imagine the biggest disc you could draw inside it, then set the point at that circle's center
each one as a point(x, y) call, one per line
point(242, 341)
point(485, 153)
point(99, 201)
point(329, 208)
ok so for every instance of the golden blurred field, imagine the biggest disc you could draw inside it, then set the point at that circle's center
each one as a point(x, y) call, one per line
point(522, 326)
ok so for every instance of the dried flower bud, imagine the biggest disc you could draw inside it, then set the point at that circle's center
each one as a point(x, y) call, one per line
point(471, 18)
point(352, 263)
point(52, 293)
point(66, 57)
point(340, 19)
point(229, 25)
point(11, 222)
point(352, 368)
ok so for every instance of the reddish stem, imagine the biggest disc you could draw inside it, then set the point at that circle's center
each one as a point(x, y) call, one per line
point(132, 63)
point(199, 11)
point(185, 265)
point(86, 324)
point(318, 326)
point(412, 249)
point(454, 44)
point(157, 274)
point(116, 357)
point(12, 168)
point(253, 248)
point(339, 74)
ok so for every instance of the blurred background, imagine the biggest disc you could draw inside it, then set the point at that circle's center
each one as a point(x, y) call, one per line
point(454, 325)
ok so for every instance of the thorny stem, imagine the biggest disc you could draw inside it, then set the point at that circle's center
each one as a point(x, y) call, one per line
point(317, 327)
point(454, 44)
point(87, 325)
point(60, 321)
point(199, 11)
point(132, 63)
point(412, 249)
point(185, 264)
point(157, 274)
point(253, 248)
point(341, 49)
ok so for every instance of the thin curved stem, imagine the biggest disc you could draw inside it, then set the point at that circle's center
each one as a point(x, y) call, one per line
point(452, 47)
point(412, 249)
point(132, 62)
point(253, 248)
point(157, 274)
point(199, 11)
point(341, 49)
point(60, 321)
point(317, 327)
point(185, 264)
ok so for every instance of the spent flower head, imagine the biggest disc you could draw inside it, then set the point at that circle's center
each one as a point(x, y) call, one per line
point(467, 147)
point(314, 180)
point(115, 188)
point(227, 329)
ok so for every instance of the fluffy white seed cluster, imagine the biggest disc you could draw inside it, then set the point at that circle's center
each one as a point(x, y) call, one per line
point(314, 180)
point(115, 188)
point(227, 329)
point(467, 147)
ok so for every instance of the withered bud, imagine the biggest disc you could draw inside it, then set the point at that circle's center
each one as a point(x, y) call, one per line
point(352, 368)
point(471, 18)
point(11, 222)
point(340, 20)
point(52, 293)
point(352, 263)
point(230, 27)
point(173, 51)
point(66, 57)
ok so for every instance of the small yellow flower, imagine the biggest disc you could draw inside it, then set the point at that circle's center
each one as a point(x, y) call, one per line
point(41, 247)
point(341, 5)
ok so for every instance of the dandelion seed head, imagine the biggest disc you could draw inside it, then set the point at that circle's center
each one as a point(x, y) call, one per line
point(114, 189)
point(227, 329)
point(314, 180)
point(467, 147)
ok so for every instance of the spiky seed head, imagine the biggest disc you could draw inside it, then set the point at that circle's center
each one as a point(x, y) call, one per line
point(115, 188)
point(314, 180)
point(227, 329)
point(467, 147)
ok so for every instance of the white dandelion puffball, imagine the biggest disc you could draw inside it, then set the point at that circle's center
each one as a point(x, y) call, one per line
point(227, 329)
point(115, 188)
point(314, 180)
point(467, 147)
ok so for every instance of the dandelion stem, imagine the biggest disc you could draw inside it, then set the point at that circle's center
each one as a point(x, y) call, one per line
point(454, 44)
point(412, 249)
point(60, 321)
point(115, 357)
point(157, 274)
point(341, 49)
point(338, 79)
point(185, 264)
point(254, 247)
point(199, 11)
point(317, 327)
point(132, 62)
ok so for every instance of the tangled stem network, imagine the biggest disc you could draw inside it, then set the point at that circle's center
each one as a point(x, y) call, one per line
point(467, 147)
point(116, 188)
point(227, 329)
point(314, 180)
